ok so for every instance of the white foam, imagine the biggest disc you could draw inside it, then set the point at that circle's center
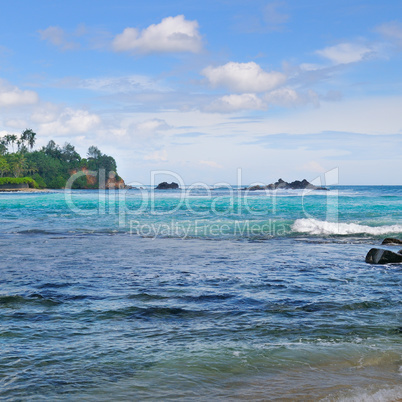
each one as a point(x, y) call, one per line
point(392, 394)
point(316, 227)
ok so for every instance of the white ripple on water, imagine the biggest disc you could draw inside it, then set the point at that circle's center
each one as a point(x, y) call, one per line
point(316, 227)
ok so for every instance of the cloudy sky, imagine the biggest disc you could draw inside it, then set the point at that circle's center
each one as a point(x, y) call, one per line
point(286, 89)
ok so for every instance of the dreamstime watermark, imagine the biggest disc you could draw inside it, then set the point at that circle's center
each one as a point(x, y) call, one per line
point(202, 208)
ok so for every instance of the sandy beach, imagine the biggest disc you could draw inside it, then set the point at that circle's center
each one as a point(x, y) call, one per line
point(24, 190)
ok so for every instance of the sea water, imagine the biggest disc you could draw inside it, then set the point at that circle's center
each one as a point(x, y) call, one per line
point(220, 294)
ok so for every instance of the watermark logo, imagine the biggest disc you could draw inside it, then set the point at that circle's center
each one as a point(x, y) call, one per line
point(200, 209)
point(199, 228)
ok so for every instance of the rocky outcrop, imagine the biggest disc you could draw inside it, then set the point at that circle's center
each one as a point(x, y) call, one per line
point(380, 256)
point(166, 186)
point(294, 185)
point(390, 240)
point(113, 183)
point(92, 181)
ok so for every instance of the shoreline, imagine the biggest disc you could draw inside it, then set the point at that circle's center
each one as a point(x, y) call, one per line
point(24, 190)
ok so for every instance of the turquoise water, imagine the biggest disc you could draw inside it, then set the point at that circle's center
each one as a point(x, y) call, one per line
point(199, 294)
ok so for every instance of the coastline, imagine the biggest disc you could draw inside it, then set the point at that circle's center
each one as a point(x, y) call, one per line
point(24, 190)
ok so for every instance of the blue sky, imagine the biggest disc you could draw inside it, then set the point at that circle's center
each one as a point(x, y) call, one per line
point(285, 89)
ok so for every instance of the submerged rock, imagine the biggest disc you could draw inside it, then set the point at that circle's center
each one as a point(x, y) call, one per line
point(390, 240)
point(380, 256)
point(166, 186)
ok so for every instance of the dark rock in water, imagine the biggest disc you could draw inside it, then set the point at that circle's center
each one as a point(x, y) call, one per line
point(167, 186)
point(279, 184)
point(390, 240)
point(254, 188)
point(400, 252)
point(294, 185)
point(379, 256)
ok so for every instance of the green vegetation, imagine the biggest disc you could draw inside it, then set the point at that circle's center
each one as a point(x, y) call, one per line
point(19, 180)
point(52, 165)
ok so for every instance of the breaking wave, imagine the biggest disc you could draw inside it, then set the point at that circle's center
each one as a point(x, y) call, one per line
point(316, 227)
point(391, 394)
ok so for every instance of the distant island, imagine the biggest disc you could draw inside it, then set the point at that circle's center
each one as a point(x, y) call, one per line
point(283, 185)
point(51, 166)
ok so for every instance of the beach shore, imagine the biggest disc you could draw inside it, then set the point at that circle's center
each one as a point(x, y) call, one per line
point(24, 190)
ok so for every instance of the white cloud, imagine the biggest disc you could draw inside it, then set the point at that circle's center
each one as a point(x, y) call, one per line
point(13, 96)
point(310, 67)
point(131, 83)
point(270, 17)
point(69, 121)
point(145, 134)
point(16, 123)
point(273, 16)
point(391, 30)
point(283, 97)
point(172, 34)
point(46, 113)
point(211, 164)
point(243, 77)
point(313, 166)
point(371, 115)
point(288, 97)
point(56, 36)
point(153, 125)
point(157, 156)
point(235, 102)
point(346, 53)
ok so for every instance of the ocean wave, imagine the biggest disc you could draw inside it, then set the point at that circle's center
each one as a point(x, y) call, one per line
point(10, 301)
point(389, 394)
point(145, 313)
point(316, 227)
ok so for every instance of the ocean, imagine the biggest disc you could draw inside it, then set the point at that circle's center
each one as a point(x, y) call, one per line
point(200, 294)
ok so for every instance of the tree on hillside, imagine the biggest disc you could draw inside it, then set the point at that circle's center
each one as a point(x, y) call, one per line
point(94, 152)
point(70, 155)
point(108, 163)
point(52, 165)
point(52, 149)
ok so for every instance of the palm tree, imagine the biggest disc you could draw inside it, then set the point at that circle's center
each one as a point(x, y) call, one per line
point(4, 166)
point(7, 140)
point(3, 147)
point(12, 138)
point(31, 170)
point(32, 139)
point(29, 136)
point(22, 148)
point(18, 164)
